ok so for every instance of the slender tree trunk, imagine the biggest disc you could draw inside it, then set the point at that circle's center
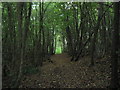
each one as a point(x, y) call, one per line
point(20, 14)
point(69, 39)
point(26, 26)
point(95, 36)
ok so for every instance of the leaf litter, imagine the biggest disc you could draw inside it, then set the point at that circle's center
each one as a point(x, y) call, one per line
point(63, 73)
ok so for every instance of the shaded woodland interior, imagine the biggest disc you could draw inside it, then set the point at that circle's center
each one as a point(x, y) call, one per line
point(65, 38)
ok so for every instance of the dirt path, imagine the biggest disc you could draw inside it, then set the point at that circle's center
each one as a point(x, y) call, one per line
point(60, 59)
point(63, 73)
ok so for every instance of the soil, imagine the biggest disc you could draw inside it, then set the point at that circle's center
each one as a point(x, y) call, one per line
point(63, 73)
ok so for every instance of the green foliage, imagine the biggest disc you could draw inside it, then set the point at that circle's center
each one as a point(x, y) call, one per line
point(58, 50)
point(58, 44)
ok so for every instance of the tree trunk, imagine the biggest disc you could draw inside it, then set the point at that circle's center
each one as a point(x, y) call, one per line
point(95, 36)
point(20, 14)
point(115, 47)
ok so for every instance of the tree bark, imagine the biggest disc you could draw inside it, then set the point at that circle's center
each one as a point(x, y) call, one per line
point(20, 14)
point(95, 36)
point(115, 47)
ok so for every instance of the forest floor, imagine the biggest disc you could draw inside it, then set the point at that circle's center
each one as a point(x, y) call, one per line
point(63, 73)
